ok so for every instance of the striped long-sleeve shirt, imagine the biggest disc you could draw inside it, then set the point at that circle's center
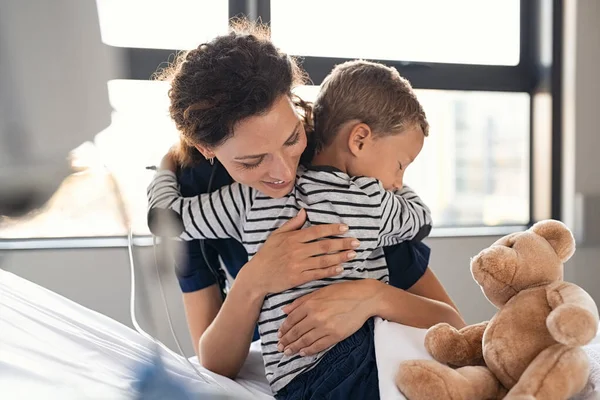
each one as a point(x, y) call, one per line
point(376, 217)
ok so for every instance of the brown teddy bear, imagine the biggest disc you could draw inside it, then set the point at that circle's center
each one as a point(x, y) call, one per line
point(531, 348)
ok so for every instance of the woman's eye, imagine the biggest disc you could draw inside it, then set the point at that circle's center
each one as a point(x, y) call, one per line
point(399, 166)
point(293, 140)
point(251, 166)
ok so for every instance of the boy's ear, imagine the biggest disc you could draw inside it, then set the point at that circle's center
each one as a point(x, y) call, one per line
point(360, 136)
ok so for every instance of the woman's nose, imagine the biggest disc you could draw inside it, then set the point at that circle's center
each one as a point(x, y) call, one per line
point(283, 168)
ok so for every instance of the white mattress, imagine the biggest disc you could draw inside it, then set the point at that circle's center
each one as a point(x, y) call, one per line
point(53, 348)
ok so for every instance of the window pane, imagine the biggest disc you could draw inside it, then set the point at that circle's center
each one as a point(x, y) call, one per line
point(87, 204)
point(161, 24)
point(140, 134)
point(474, 167)
point(459, 31)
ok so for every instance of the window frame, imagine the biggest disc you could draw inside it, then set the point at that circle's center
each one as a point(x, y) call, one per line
point(529, 76)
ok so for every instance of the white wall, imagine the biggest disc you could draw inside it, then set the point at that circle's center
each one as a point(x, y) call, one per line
point(581, 130)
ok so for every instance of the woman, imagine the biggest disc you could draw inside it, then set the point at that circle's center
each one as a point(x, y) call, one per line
point(222, 101)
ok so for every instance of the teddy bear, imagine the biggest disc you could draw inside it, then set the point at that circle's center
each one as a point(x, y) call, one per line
point(531, 348)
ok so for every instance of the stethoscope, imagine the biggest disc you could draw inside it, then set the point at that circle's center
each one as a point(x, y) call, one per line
point(217, 272)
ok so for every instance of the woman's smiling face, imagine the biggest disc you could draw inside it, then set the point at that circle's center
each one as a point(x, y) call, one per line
point(264, 151)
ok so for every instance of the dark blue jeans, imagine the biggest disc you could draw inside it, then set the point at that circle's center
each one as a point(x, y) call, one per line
point(347, 371)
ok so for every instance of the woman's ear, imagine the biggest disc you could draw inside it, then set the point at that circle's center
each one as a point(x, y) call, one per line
point(359, 137)
point(205, 151)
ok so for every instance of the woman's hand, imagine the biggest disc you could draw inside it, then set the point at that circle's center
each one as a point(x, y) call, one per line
point(291, 257)
point(325, 317)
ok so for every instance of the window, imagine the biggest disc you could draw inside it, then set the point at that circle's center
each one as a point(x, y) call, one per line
point(474, 168)
point(458, 31)
point(161, 24)
point(111, 178)
point(85, 205)
point(476, 66)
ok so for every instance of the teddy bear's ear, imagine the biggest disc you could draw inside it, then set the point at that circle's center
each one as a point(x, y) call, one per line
point(558, 235)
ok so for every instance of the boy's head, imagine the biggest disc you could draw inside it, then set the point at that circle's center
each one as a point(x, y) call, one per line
point(370, 117)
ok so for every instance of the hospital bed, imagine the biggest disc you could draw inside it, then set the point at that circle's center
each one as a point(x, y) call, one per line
point(53, 348)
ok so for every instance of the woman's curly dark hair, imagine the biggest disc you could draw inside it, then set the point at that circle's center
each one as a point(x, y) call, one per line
point(226, 80)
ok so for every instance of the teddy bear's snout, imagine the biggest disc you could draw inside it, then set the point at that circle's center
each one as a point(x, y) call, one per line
point(478, 269)
point(494, 272)
point(493, 268)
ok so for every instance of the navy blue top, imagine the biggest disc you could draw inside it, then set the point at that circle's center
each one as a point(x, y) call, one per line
point(407, 261)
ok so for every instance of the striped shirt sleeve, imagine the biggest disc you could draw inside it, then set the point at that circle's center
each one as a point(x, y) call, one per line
point(403, 216)
point(216, 215)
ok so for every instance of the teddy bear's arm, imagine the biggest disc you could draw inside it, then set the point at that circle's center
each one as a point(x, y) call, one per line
point(454, 347)
point(574, 317)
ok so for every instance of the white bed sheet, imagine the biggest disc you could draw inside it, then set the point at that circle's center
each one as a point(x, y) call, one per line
point(53, 348)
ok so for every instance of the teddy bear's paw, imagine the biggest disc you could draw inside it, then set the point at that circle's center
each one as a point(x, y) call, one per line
point(444, 343)
point(572, 325)
point(427, 379)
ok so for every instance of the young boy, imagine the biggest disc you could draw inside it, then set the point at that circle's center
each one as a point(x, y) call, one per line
point(369, 127)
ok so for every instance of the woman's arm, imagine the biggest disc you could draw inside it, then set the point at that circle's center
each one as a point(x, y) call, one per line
point(431, 306)
point(430, 287)
point(224, 345)
point(201, 308)
point(331, 314)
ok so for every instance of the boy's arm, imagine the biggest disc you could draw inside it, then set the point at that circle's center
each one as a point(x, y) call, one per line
point(403, 216)
point(216, 215)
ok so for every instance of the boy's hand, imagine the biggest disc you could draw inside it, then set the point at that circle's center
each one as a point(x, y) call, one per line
point(169, 162)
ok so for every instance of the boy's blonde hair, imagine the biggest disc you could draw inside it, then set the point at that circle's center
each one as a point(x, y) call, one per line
point(369, 92)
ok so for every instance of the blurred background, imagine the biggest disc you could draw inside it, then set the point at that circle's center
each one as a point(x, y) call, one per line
point(510, 88)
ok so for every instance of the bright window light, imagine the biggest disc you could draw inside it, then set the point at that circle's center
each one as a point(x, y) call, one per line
point(449, 31)
point(161, 24)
